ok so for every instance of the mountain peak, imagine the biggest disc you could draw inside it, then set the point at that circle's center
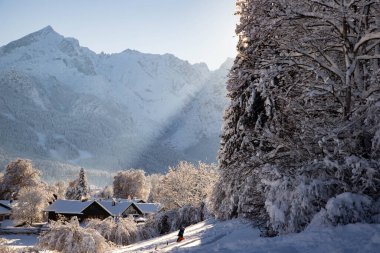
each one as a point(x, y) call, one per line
point(47, 29)
point(44, 33)
point(202, 66)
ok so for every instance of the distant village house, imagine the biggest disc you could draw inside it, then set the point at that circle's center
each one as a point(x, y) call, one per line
point(100, 209)
point(5, 210)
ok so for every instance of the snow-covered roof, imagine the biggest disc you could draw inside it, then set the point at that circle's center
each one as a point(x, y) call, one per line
point(136, 200)
point(5, 203)
point(68, 206)
point(118, 208)
point(77, 206)
point(149, 207)
point(4, 210)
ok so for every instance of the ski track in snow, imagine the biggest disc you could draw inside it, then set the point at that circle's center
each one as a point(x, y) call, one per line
point(239, 237)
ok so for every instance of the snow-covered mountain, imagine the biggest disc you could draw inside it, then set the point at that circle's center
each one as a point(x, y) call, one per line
point(195, 130)
point(60, 101)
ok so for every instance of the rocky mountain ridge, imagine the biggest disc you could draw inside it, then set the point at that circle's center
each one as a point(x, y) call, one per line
point(63, 102)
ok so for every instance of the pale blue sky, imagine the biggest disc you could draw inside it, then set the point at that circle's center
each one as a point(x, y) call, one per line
point(193, 30)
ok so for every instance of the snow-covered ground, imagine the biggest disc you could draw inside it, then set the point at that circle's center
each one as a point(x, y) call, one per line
point(239, 236)
point(20, 241)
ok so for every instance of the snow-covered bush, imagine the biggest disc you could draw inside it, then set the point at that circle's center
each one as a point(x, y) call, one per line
point(189, 215)
point(7, 249)
point(165, 222)
point(4, 248)
point(120, 230)
point(359, 175)
point(70, 237)
point(292, 200)
point(376, 211)
point(344, 209)
point(125, 231)
point(150, 229)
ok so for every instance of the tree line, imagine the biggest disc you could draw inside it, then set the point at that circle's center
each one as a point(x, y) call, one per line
point(184, 184)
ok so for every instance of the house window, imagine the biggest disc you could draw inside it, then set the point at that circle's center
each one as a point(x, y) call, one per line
point(131, 212)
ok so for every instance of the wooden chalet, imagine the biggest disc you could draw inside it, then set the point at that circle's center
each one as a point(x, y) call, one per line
point(93, 209)
point(5, 210)
point(121, 208)
point(81, 209)
point(125, 207)
point(149, 208)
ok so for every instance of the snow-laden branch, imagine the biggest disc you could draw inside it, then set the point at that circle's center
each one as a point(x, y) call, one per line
point(365, 38)
point(332, 69)
point(326, 4)
point(368, 57)
point(349, 3)
point(321, 16)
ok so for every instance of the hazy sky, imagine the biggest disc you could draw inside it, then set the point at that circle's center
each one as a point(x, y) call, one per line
point(193, 30)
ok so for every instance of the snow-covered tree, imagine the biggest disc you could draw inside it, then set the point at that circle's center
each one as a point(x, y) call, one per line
point(30, 204)
point(70, 190)
point(154, 182)
point(186, 184)
point(83, 187)
point(18, 174)
point(79, 188)
point(122, 231)
point(70, 237)
point(106, 192)
point(59, 189)
point(169, 221)
point(303, 122)
point(130, 184)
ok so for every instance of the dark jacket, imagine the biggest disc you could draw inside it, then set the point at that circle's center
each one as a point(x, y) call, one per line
point(181, 232)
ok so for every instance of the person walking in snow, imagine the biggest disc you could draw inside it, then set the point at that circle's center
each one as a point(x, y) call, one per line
point(180, 234)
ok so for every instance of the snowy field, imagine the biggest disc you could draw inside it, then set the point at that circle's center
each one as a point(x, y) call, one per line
point(20, 241)
point(236, 236)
